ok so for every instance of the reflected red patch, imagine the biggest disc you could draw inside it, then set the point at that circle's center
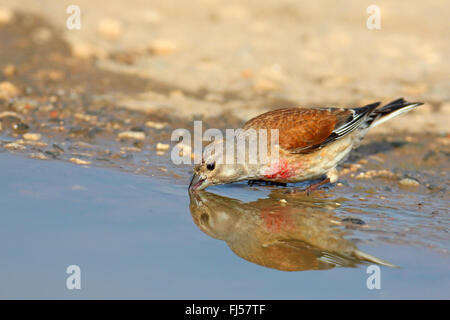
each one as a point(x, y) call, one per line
point(276, 219)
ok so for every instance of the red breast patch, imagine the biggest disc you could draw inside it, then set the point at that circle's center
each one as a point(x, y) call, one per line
point(279, 170)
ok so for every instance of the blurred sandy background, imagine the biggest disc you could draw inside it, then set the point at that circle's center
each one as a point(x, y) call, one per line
point(207, 57)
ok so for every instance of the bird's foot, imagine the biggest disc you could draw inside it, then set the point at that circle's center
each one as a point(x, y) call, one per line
point(311, 187)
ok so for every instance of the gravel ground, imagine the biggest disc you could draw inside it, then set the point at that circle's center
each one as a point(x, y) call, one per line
point(244, 57)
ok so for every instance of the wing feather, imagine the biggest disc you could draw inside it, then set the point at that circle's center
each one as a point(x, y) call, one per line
point(304, 130)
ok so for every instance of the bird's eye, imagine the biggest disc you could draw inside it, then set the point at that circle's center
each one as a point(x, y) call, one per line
point(211, 166)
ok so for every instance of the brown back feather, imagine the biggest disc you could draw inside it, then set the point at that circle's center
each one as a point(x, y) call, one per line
point(300, 128)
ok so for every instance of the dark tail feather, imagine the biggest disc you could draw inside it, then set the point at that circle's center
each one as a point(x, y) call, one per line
point(391, 110)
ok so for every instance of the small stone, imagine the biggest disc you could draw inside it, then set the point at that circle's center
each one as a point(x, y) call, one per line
point(176, 94)
point(32, 136)
point(86, 50)
point(14, 146)
point(375, 173)
point(354, 167)
point(9, 70)
point(283, 201)
point(109, 28)
point(42, 35)
point(162, 146)
point(129, 149)
point(79, 161)
point(156, 125)
point(136, 135)
point(37, 144)
point(80, 145)
point(55, 76)
point(8, 90)
point(163, 47)
point(377, 158)
point(85, 117)
point(6, 16)
point(409, 182)
point(262, 84)
point(38, 155)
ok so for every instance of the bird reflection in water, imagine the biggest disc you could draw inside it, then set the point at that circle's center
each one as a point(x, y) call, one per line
point(288, 236)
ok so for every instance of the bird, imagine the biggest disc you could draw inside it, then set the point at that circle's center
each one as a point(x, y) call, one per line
point(289, 236)
point(312, 142)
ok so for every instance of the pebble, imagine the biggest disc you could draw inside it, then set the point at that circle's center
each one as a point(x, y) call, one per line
point(38, 144)
point(80, 145)
point(109, 28)
point(9, 70)
point(6, 16)
point(14, 146)
point(163, 46)
point(8, 90)
point(32, 136)
point(136, 135)
point(162, 146)
point(129, 149)
point(38, 155)
point(409, 182)
point(375, 173)
point(265, 85)
point(42, 35)
point(156, 125)
point(85, 117)
point(85, 50)
point(377, 158)
point(79, 161)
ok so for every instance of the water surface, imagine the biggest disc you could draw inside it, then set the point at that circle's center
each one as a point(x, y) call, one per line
point(134, 237)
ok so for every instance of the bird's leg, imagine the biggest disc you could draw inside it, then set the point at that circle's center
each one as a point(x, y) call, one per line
point(316, 186)
point(311, 187)
point(332, 177)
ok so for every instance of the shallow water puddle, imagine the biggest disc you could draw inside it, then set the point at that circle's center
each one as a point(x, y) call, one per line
point(134, 237)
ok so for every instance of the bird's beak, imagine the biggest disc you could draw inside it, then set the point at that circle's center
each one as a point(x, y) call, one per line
point(197, 182)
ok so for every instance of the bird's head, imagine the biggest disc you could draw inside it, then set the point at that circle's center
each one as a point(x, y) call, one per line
point(214, 169)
